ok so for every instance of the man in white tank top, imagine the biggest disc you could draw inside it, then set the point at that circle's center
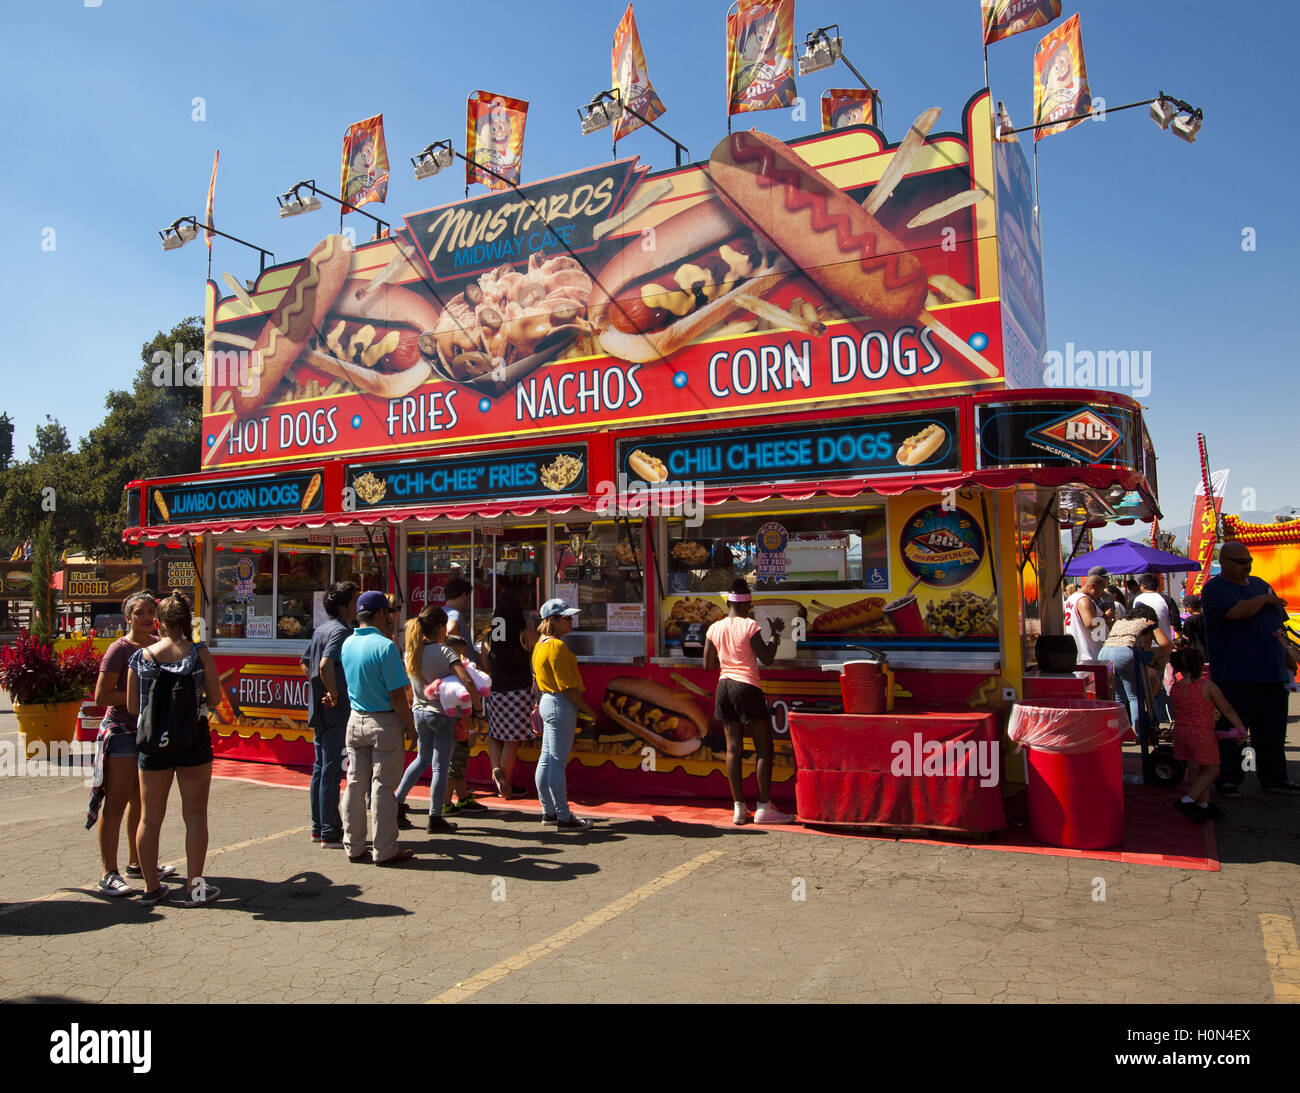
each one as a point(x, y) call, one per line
point(1083, 619)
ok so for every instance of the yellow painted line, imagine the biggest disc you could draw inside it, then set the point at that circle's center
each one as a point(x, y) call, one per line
point(180, 864)
point(1283, 956)
point(558, 940)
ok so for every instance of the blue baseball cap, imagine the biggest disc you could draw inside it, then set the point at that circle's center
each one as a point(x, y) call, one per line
point(370, 602)
point(551, 608)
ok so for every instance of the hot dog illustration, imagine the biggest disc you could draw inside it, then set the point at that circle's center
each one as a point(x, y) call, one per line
point(851, 617)
point(818, 227)
point(646, 467)
point(313, 488)
point(648, 303)
point(658, 714)
point(160, 503)
point(919, 447)
point(295, 320)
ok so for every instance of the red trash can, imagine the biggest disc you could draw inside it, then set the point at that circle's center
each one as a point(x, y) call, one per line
point(1076, 777)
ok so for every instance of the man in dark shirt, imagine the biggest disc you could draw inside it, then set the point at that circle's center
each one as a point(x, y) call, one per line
point(1243, 617)
point(327, 711)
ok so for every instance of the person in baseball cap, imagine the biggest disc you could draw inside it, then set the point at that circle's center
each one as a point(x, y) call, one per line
point(379, 727)
point(562, 700)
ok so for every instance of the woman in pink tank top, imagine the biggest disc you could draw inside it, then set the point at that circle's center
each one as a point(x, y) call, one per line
point(735, 645)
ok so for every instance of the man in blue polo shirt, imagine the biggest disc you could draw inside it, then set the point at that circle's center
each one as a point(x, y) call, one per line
point(1243, 619)
point(379, 727)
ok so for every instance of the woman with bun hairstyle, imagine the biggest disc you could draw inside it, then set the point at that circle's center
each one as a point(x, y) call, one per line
point(508, 660)
point(115, 747)
point(555, 669)
point(175, 655)
point(735, 646)
point(428, 658)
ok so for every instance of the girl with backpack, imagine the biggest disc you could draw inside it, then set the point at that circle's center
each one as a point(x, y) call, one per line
point(167, 686)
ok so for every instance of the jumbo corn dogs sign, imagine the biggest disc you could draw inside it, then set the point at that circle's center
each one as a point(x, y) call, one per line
point(829, 270)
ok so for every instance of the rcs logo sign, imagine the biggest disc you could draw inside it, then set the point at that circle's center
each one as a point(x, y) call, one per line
point(1084, 432)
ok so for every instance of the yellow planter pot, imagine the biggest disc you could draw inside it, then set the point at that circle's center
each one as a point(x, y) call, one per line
point(49, 723)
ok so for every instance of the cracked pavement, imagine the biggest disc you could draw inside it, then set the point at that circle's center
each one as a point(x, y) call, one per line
point(881, 921)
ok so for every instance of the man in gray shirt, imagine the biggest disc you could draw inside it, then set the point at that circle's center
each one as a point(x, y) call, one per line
point(327, 711)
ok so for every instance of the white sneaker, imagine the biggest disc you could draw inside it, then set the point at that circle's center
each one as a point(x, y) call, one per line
point(741, 815)
point(112, 884)
point(766, 814)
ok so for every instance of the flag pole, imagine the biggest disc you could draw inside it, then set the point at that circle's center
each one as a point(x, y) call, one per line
point(727, 58)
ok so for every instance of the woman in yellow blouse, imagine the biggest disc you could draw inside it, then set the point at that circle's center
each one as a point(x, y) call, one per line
point(555, 671)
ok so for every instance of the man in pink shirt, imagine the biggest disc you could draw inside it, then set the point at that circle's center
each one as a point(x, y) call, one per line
point(735, 645)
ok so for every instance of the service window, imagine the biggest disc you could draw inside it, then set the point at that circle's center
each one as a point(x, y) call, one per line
point(792, 551)
point(243, 582)
point(302, 576)
point(600, 570)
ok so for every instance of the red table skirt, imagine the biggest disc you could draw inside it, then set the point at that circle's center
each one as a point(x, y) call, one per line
point(850, 770)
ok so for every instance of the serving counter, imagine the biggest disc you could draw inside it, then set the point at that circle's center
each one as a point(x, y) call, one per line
point(928, 768)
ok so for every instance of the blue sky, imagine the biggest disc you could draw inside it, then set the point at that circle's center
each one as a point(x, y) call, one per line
point(1142, 232)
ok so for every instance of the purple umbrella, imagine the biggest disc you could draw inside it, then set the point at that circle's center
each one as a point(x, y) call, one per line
point(1127, 556)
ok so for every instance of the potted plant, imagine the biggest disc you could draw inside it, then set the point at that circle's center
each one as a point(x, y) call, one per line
point(47, 689)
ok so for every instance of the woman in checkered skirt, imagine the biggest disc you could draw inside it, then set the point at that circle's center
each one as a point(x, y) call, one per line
point(510, 704)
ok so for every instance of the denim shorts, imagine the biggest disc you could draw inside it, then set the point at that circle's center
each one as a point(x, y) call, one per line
point(120, 744)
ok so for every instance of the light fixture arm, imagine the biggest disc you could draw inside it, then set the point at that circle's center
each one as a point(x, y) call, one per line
point(1183, 107)
point(193, 220)
point(344, 206)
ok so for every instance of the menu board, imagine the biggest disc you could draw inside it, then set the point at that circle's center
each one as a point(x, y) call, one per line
point(491, 477)
point(271, 495)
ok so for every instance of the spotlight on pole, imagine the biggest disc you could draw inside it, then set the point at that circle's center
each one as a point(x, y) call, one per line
point(433, 159)
point(603, 110)
point(820, 50)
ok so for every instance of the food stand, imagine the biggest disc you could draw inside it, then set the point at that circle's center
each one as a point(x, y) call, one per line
point(501, 392)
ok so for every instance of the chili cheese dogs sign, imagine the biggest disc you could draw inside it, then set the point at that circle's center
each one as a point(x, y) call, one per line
point(829, 270)
point(190, 502)
point(840, 449)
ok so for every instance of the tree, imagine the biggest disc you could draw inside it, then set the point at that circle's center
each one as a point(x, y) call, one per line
point(44, 562)
point(51, 439)
point(150, 430)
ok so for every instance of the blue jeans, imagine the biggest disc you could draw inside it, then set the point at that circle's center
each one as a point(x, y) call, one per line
point(1128, 684)
point(560, 725)
point(437, 737)
point(326, 771)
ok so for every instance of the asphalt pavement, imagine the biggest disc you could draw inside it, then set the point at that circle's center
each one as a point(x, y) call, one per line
point(638, 910)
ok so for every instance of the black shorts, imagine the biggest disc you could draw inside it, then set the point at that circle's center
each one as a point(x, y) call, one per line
point(739, 703)
point(195, 755)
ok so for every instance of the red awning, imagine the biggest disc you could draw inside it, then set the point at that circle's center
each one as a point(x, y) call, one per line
point(993, 479)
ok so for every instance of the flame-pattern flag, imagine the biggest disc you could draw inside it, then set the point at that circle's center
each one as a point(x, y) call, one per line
point(760, 56)
point(212, 189)
point(1003, 18)
point(628, 71)
point(1060, 80)
point(365, 163)
point(494, 137)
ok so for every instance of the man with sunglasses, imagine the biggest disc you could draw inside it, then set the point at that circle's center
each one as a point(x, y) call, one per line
point(1243, 619)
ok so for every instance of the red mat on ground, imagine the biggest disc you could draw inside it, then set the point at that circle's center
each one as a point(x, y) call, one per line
point(1155, 834)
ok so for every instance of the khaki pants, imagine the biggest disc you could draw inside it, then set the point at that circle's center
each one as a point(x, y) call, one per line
point(376, 757)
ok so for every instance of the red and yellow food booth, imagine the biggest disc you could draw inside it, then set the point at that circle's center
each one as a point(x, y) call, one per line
point(628, 389)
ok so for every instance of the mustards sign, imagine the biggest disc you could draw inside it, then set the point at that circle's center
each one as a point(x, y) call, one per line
point(508, 227)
